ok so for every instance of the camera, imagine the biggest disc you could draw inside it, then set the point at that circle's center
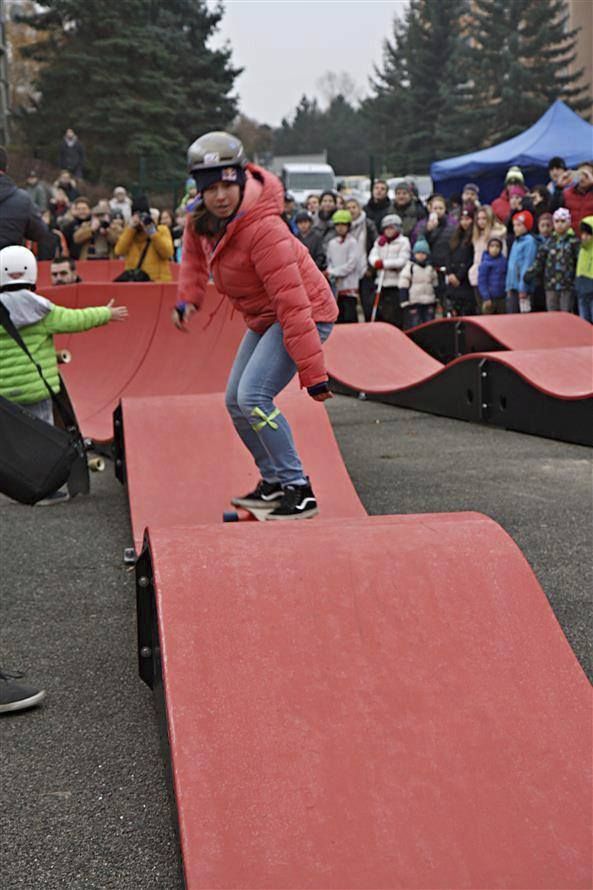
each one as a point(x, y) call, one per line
point(146, 219)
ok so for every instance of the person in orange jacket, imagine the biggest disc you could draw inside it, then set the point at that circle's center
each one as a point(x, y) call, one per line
point(236, 233)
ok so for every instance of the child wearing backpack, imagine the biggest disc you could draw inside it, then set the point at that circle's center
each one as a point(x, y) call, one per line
point(418, 281)
point(37, 319)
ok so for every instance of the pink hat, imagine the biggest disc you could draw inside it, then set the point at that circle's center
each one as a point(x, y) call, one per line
point(562, 213)
point(516, 190)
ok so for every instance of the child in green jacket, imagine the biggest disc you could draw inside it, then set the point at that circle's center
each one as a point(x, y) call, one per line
point(584, 277)
point(37, 319)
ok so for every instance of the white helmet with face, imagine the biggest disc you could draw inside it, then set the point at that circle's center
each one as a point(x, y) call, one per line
point(17, 266)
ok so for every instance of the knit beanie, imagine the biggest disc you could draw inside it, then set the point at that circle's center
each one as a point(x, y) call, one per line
point(525, 217)
point(514, 173)
point(209, 176)
point(421, 246)
point(516, 190)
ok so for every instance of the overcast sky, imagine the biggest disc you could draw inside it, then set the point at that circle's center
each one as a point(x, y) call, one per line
point(285, 46)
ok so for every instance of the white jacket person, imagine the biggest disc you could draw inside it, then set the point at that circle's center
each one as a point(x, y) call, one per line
point(391, 251)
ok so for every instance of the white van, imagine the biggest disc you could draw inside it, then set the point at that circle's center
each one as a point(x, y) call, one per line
point(302, 180)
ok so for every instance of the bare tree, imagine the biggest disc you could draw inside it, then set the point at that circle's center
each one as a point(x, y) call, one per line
point(338, 83)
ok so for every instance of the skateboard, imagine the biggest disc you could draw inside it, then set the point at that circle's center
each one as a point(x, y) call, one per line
point(246, 514)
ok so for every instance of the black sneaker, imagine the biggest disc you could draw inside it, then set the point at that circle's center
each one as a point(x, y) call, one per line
point(266, 494)
point(16, 696)
point(298, 502)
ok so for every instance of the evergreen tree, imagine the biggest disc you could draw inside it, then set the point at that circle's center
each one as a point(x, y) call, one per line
point(522, 52)
point(304, 134)
point(421, 103)
point(134, 78)
point(338, 129)
point(346, 138)
point(386, 113)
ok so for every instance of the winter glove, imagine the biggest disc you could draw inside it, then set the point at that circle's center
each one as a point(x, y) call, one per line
point(378, 264)
point(320, 391)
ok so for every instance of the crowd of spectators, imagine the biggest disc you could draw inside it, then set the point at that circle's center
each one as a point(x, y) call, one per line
point(405, 262)
point(529, 250)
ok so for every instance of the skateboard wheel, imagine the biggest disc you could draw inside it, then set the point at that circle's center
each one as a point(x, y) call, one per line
point(230, 516)
point(129, 556)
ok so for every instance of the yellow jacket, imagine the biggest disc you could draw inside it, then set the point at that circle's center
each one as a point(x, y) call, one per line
point(131, 243)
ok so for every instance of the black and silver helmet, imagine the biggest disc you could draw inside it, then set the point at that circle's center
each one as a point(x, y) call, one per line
point(215, 149)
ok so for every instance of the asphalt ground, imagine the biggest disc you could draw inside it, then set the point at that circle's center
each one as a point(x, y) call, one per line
point(84, 798)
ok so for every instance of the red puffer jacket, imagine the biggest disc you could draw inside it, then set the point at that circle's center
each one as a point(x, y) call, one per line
point(579, 203)
point(266, 273)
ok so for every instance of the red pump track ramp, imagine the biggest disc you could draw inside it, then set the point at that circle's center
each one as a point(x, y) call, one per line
point(446, 338)
point(377, 703)
point(144, 355)
point(104, 271)
point(349, 702)
point(547, 392)
point(354, 701)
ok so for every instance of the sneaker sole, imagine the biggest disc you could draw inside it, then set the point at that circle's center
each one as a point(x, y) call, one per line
point(23, 703)
point(306, 514)
point(45, 503)
point(256, 505)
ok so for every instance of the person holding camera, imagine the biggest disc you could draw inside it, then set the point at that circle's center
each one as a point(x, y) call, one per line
point(97, 236)
point(146, 247)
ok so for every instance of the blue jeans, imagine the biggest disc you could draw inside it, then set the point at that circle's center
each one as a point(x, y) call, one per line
point(586, 307)
point(262, 368)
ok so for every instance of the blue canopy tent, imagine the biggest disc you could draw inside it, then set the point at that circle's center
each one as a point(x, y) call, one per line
point(560, 131)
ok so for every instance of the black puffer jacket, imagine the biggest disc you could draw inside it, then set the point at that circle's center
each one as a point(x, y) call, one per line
point(459, 259)
point(376, 210)
point(313, 241)
point(19, 218)
point(438, 240)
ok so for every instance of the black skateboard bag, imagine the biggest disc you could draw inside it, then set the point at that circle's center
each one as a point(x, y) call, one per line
point(37, 458)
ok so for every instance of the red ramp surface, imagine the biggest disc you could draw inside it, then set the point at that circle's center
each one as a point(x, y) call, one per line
point(93, 271)
point(146, 354)
point(386, 703)
point(196, 457)
point(545, 392)
point(376, 358)
point(351, 702)
point(446, 338)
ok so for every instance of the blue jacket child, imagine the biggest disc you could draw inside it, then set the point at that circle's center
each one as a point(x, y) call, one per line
point(522, 255)
point(492, 273)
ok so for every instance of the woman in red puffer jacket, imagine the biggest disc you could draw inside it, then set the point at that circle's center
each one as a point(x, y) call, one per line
point(236, 233)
